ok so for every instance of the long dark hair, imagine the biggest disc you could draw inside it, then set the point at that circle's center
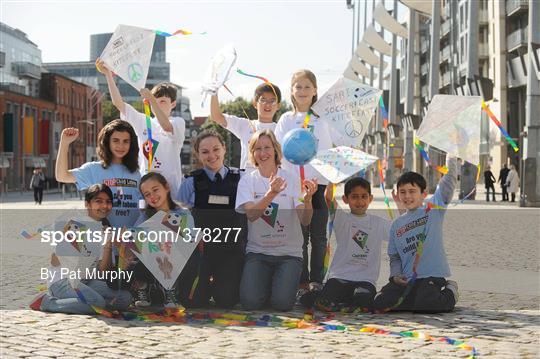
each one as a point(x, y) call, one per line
point(149, 211)
point(131, 159)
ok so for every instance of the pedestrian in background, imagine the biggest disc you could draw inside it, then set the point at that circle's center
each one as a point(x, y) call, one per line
point(503, 175)
point(512, 182)
point(489, 181)
point(36, 183)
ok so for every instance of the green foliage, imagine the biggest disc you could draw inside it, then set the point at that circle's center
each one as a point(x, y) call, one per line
point(241, 107)
point(110, 112)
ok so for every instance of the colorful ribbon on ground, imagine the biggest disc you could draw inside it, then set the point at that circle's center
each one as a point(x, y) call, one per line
point(309, 321)
point(386, 200)
point(150, 142)
point(265, 80)
point(177, 32)
point(500, 126)
point(441, 169)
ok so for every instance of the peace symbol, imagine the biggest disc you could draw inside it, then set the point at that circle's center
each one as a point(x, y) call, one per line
point(135, 71)
point(351, 131)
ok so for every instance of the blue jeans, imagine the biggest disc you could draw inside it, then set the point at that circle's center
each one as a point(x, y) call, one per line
point(270, 277)
point(64, 299)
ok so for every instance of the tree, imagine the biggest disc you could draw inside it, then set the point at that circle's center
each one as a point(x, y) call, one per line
point(110, 112)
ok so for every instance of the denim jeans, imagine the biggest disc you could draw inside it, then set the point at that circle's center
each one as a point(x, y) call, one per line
point(273, 278)
point(64, 299)
point(315, 233)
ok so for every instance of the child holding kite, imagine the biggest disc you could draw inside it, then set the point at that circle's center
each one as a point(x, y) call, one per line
point(271, 198)
point(266, 100)
point(355, 266)
point(117, 168)
point(303, 96)
point(167, 132)
point(63, 296)
point(211, 193)
point(418, 264)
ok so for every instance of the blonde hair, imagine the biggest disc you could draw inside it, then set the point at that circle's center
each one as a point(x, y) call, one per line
point(278, 155)
point(310, 76)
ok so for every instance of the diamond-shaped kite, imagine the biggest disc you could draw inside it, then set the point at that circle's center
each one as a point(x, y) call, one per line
point(338, 164)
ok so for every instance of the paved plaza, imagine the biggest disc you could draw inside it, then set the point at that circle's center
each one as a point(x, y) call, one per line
point(493, 250)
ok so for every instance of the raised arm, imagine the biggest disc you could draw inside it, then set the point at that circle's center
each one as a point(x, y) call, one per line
point(62, 173)
point(215, 112)
point(447, 184)
point(305, 210)
point(161, 116)
point(116, 98)
point(254, 210)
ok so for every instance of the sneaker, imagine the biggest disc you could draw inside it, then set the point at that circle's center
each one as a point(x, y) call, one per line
point(452, 285)
point(36, 302)
point(170, 300)
point(141, 296)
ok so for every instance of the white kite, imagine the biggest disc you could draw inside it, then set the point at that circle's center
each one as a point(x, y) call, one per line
point(338, 164)
point(166, 257)
point(453, 124)
point(348, 106)
point(128, 54)
point(219, 70)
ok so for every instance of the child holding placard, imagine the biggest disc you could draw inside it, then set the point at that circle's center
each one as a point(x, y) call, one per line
point(355, 266)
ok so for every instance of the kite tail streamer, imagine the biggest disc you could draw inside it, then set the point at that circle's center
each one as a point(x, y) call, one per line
point(500, 126)
point(383, 112)
point(149, 129)
point(441, 169)
point(177, 32)
point(265, 80)
point(328, 251)
point(196, 281)
point(386, 200)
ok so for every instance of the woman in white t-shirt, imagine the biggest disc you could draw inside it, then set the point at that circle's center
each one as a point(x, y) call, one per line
point(271, 198)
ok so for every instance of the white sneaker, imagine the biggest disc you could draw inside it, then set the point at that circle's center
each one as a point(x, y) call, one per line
point(170, 298)
point(453, 286)
point(141, 297)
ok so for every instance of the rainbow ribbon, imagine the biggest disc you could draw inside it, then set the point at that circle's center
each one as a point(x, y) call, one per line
point(386, 200)
point(441, 169)
point(328, 251)
point(500, 126)
point(384, 113)
point(177, 32)
point(149, 129)
point(265, 80)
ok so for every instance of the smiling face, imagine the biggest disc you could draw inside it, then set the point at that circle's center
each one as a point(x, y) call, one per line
point(411, 196)
point(303, 91)
point(99, 207)
point(119, 145)
point(267, 106)
point(263, 152)
point(358, 200)
point(155, 194)
point(211, 153)
point(166, 105)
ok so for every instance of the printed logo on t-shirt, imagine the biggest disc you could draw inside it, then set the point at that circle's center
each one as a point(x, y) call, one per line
point(411, 225)
point(120, 182)
point(270, 214)
point(361, 238)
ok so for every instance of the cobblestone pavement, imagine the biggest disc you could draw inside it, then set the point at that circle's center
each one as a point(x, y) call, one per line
point(493, 250)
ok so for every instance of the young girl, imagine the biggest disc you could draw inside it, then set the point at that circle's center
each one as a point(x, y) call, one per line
point(117, 168)
point(157, 194)
point(303, 96)
point(62, 297)
point(270, 197)
point(266, 100)
point(211, 193)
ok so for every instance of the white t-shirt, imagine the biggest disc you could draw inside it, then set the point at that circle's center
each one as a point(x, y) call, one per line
point(318, 127)
point(358, 250)
point(277, 232)
point(244, 129)
point(166, 146)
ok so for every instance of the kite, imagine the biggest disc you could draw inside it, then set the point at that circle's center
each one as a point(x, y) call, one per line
point(348, 107)
point(177, 239)
point(452, 124)
point(338, 164)
point(219, 70)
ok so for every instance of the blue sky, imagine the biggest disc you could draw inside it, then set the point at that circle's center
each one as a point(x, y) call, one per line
point(272, 38)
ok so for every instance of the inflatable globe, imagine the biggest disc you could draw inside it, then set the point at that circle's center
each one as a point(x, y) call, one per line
point(299, 146)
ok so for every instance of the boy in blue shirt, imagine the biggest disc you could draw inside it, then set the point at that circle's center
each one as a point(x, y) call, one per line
point(418, 264)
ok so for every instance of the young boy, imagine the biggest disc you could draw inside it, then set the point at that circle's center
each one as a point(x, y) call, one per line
point(168, 132)
point(266, 101)
point(420, 284)
point(355, 267)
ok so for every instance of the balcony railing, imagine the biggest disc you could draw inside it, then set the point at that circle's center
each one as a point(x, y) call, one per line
point(483, 50)
point(27, 70)
point(513, 6)
point(483, 17)
point(517, 38)
point(444, 79)
point(424, 69)
point(9, 86)
point(445, 54)
point(445, 28)
point(2, 59)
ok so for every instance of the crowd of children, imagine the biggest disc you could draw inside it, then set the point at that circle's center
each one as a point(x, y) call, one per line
point(280, 216)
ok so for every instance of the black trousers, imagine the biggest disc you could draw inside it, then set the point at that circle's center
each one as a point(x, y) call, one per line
point(342, 293)
point(504, 193)
point(428, 295)
point(38, 194)
point(492, 188)
point(219, 274)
